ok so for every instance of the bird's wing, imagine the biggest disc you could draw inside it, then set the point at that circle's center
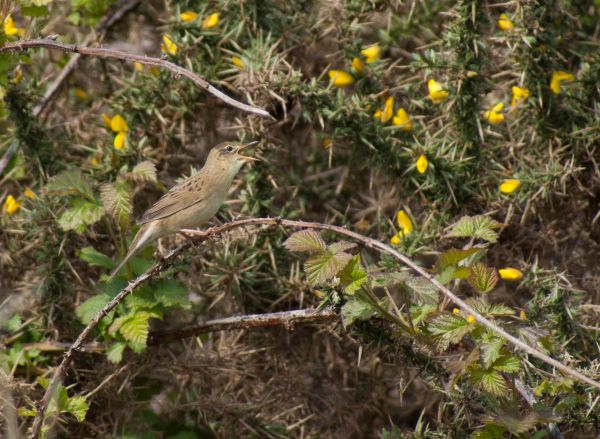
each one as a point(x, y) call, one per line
point(178, 198)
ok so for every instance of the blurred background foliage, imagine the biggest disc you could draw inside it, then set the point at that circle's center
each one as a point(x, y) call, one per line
point(378, 107)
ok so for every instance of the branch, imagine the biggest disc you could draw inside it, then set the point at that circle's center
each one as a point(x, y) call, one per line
point(123, 56)
point(201, 236)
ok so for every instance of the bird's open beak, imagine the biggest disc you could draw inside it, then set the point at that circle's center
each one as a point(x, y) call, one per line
point(245, 157)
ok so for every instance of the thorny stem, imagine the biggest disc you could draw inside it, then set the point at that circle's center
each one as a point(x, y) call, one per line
point(116, 54)
point(201, 236)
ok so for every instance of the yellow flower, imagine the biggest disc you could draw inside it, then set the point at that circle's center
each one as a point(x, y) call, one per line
point(509, 186)
point(493, 115)
point(188, 16)
point(437, 94)
point(358, 66)
point(471, 319)
point(339, 78)
point(402, 120)
point(237, 62)
point(455, 311)
point(154, 70)
point(10, 28)
point(405, 225)
point(80, 94)
point(168, 46)
point(371, 53)
point(518, 94)
point(422, 164)
point(388, 110)
point(29, 193)
point(11, 205)
point(119, 142)
point(106, 120)
point(522, 315)
point(211, 21)
point(118, 124)
point(327, 142)
point(504, 23)
point(138, 66)
point(510, 273)
point(18, 76)
point(558, 77)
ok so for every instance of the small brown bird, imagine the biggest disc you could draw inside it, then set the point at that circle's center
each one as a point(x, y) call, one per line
point(192, 202)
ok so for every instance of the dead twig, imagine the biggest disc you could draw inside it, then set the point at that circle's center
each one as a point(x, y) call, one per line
point(213, 232)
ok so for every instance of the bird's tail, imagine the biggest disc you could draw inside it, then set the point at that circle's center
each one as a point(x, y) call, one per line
point(144, 236)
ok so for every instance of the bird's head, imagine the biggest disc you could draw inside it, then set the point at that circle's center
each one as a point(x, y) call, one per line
point(227, 155)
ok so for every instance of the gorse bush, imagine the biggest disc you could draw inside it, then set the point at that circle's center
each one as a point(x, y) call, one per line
point(462, 134)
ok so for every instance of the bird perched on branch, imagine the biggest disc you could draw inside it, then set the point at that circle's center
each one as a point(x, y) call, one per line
point(192, 202)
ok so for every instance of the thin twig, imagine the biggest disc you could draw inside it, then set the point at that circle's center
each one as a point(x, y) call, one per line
point(213, 232)
point(123, 56)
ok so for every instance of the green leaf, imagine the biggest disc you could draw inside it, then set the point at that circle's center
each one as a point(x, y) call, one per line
point(114, 353)
point(423, 291)
point(340, 246)
point(143, 172)
point(491, 349)
point(482, 306)
point(453, 256)
point(489, 380)
point(116, 199)
point(305, 241)
point(34, 11)
point(482, 277)
point(449, 328)
point(94, 258)
point(71, 182)
point(80, 215)
point(490, 431)
point(133, 327)
point(12, 324)
point(171, 293)
point(507, 363)
point(88, 309)
point(419, 313)
point(324, 266)
point(353, 276)
point(477, 227)
point(356, 308)
point(78, 407)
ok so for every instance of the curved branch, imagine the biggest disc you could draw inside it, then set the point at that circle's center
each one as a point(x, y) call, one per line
point(201, 236)
point(46, 43)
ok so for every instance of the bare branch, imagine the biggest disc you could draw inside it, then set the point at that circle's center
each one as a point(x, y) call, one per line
point(213, 232)
point(123, 56)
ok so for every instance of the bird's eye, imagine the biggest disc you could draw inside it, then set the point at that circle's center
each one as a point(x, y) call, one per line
point(229, 148)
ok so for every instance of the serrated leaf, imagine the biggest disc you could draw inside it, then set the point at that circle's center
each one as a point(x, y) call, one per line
point(170, 292)
point(482, 277)
point(114, 353)
point(324, 266)
point(517, 422)
point(449, 328)
point(116, 199)
point(80, 215)
point(353, 275)
point(341, 246)
point(483, 307)
point(356, 308)
point(78, 407)
point(418, 313)
point(507, 363)
point(94, 258)
point(489, 380)
point(88, 309)
point(143, 172)
point(491, 350)
point(133, 327)
point(453, 256)
point(382, 279)
point(423, 291)
point(305, 241)
point(71, 182)
point(477, 227)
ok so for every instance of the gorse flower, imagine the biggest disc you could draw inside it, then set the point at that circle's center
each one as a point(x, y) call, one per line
point(402, 120)
point(471, 319)
point(340, 79)
point(29, 193)
point(11, 205)
point(557, 78)
point(493, 115)
point(188, 16)
point(119, 140)
point(80, 93)
point(504, 23)
point(10, 28)
point(509, 186)
point(358, 66)
point(236, 61)
point(455, 311)
point(404, 224)
point(388, 110)
point(510, 273)
point(327, 142)
point(422, 164)
point(518, 94)
point(168, 46)
point(119, 126)
point(371, 53)
point(211, 21)
point(437, 94)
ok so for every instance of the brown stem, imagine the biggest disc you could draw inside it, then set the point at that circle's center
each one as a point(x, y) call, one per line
point(123, 56)
point(219, 230)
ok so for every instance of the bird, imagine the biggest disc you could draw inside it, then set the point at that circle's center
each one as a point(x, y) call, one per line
point(191, 203)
